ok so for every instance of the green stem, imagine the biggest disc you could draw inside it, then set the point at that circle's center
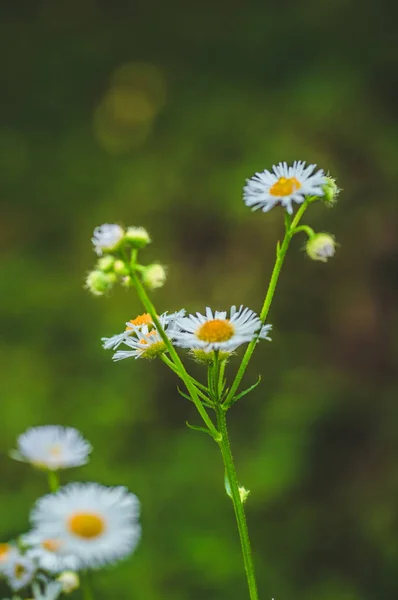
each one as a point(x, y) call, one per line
point(53, 480)
point(87, 587)
point(308, 230)
point(176, 359)
point(280, 257)
point(237, 502)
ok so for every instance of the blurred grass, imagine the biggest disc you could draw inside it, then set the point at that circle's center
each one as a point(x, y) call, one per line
point(155, 115)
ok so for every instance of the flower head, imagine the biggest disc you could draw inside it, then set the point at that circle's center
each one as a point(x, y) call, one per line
point(49, 553)
point(19, 570)
point(52, 590)
point(106, 238)
point(141, 335)
point(99, 282)
point(284, 185)
point(96, 524)
point(52, 447)
point(321, 246)
point(154, 276)
point(138, 237)
point(219, 332)
point(69, 580)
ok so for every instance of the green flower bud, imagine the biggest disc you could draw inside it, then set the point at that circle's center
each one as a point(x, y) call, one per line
point(331, 191)
point(98, 282)
point(105, 263)
point(120, 267)
point(243, 493)
point(138, 237)
point(69, 580)
point(321, 247)
point(154, 276)
point(207, 358)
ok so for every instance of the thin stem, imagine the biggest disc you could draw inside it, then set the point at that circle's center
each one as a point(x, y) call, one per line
point(176, 359)
point(87, 587)
point(237, 502)
point(53, 480)
point(308, 230)
point(280, 257)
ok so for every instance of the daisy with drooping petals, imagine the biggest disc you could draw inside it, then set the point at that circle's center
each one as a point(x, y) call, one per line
point(52, 447)
point(19, 571)
point(107, 238)
point(217, 332)
point(96, 524)
point(49, 553)
point(284, 185)
point(142, 336)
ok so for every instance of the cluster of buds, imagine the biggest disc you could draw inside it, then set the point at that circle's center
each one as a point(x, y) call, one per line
point(117, 250)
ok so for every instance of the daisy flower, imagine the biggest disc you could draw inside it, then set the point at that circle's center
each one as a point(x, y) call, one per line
point(19, 571)
point(284, 185)
point(96, 524)
point(217, 332)
point(141, 335)
point(52, 447)
point(107, 238)
point(49, 553)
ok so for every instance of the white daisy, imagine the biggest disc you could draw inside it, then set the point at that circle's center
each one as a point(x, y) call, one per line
point(49, 553)
point(141, 335)
point(284, 186)
point(217, 332)
point(19, 571)
point(96, 524)
point(52, 447)
point(107, 238)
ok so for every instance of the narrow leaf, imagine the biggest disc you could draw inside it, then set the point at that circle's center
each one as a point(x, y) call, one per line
point(249, 389)
point(197, 428)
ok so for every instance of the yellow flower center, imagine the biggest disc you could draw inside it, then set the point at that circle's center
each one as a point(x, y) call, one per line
point(4, 550)
point(216, 330)
point(19, 571)
point(285, 187)
point(51, 545)
point(139, 321)
point(86, 525)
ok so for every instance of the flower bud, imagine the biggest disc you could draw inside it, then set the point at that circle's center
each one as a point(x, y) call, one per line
point(243, 493)
point(138, 237)
point(120, 267)
point(98, 282)
point(107, 238)
point(69, 580)
point(331, 191)
point(154, 276)
point(321, 247)
point(105, 263)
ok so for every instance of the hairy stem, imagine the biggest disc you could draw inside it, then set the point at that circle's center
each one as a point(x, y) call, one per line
point(280, 257)
point(237, 502)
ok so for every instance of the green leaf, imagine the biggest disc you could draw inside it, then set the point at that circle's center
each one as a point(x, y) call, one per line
point(197, 428)
point(239, 396)
point(203, 398)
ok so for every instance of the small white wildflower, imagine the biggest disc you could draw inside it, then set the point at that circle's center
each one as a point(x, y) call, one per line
point(138, 237)
point(217, 331)
point(52, 447)
point(284, 186)
point(106, 238)
point(19, 571)
point(135, 326)
point(321, 246)
point(49, 553)
point(154, 276)
point(98, 525)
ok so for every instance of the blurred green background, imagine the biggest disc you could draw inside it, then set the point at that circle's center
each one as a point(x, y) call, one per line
point(154, 114)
